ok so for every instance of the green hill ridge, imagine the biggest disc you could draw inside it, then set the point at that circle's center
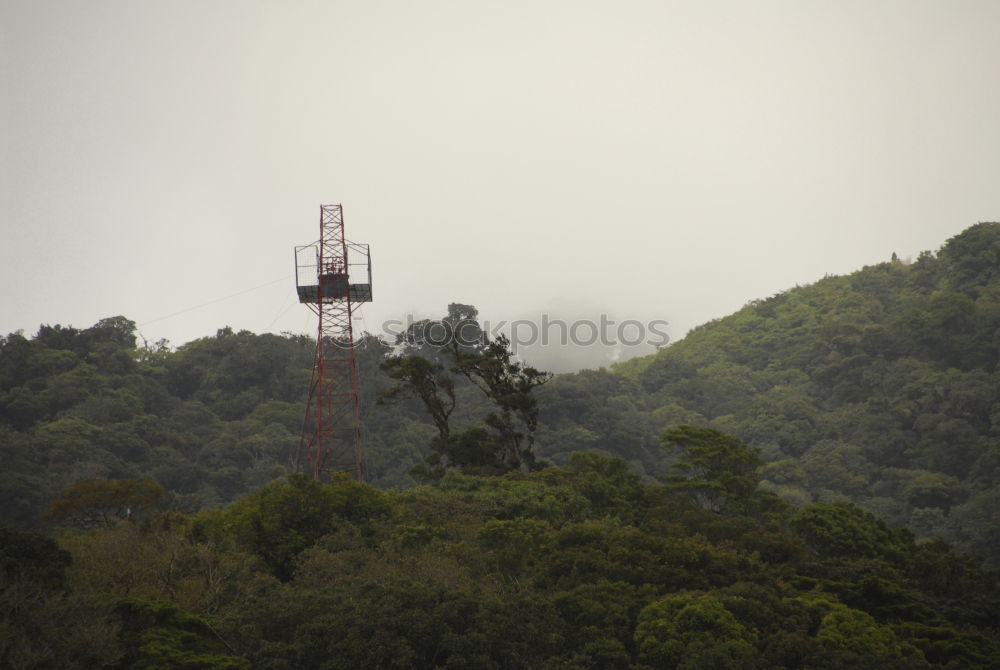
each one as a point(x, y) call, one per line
point(879, 387)
point(782, 488)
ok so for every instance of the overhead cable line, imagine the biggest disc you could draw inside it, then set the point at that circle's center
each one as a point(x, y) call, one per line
point(212, 302)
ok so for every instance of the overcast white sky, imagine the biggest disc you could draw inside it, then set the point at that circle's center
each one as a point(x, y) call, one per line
point(643, 159)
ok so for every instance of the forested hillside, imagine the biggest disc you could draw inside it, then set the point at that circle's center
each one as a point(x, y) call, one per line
point(879, 387)
point(212, 420)
point(183, 536)
point(575, 567)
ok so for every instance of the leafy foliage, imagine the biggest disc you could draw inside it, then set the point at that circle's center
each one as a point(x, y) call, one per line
point(101, 501)
point(583, 566)
point(162, 635)
point(505, 437)
point(878, 388)
point(718, 470)
point(868, 403)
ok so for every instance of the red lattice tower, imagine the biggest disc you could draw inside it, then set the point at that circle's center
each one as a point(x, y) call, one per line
point(323, 272)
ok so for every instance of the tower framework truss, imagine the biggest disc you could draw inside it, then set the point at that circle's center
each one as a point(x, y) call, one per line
point(323, 277)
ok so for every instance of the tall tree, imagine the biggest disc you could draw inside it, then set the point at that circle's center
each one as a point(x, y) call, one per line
point(434, 354)
point(509, 385)
point(717, 470)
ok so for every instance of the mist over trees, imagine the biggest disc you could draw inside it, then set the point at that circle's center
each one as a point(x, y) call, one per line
point(879, 387)
point(781, 488)
point(427, 368)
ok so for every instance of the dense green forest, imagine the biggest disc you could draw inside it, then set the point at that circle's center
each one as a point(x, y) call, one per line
point(581, 566)
point(880, 387)
point(779, 489)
